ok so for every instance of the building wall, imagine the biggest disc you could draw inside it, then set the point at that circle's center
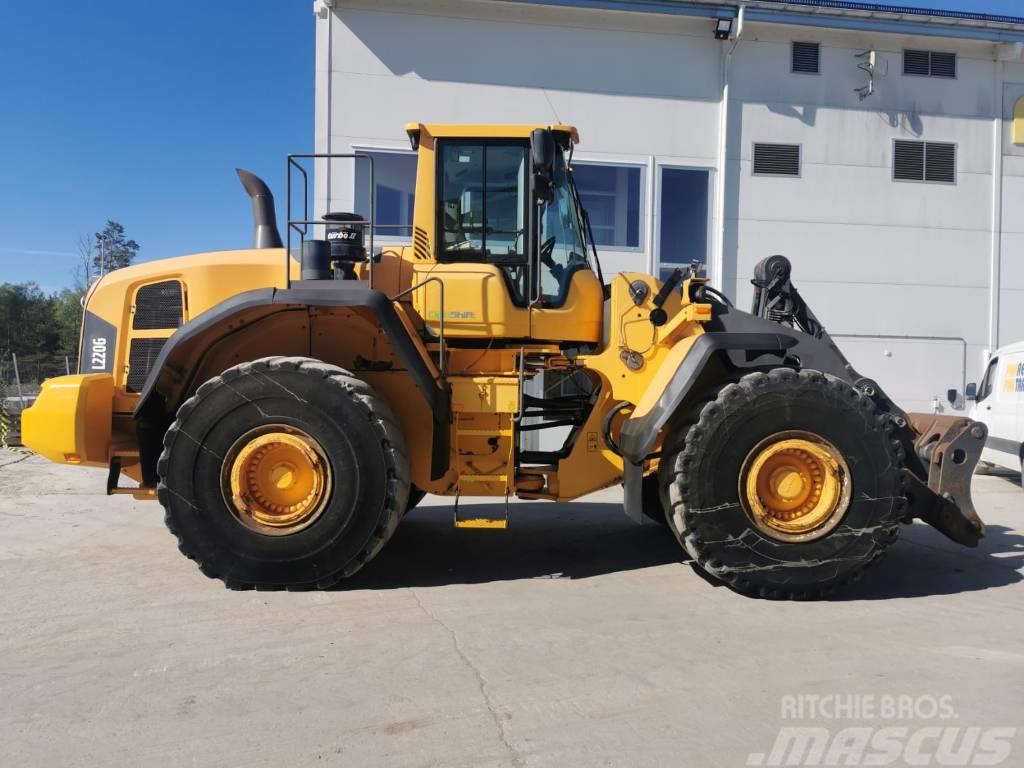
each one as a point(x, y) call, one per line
point(874, 257)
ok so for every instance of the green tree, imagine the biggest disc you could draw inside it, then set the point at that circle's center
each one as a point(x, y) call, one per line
point(112, 249)
point(67, 317)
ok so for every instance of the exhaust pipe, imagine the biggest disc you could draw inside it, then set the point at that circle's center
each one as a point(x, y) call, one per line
point(265, 234)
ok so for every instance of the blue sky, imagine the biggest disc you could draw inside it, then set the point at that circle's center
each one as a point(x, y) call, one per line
point(140, 111)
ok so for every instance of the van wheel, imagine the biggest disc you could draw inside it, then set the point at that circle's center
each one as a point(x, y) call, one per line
point(285, 472)
point(787, 486)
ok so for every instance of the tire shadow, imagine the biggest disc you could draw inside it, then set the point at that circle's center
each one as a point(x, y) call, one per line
point(587, 539)
point(543, 540)
point(923, 563)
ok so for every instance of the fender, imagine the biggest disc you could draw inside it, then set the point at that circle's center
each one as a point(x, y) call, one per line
point(152, 413)
point(746, 339)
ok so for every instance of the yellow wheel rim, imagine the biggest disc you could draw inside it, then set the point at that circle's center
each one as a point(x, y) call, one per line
point(277, 480)
point(795, 486)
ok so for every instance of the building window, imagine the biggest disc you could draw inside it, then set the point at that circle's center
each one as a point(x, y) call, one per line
point(776, 159)
point(683, 218)
point(807, 58)
point(394, 175)
point(1018, 122)
point(929, 161)
point(929, 64)
point(611, 195)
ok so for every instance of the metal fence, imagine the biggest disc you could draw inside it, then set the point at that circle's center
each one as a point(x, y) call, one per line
point(20, 381)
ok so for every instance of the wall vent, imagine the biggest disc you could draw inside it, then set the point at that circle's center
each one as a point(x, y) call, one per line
point(928, 161)
point(807, 58)
point(929, 64)
point(776, 159)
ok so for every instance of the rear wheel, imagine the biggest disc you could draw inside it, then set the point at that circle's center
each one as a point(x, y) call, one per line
point(787, 485)
point(283, 472)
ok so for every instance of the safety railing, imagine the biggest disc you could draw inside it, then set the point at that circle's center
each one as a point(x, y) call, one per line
point(301, 226)
point(440, 343)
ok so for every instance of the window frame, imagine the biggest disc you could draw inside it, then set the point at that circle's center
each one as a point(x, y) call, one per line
point(659, 186)
point(386, 239)
point(930, 52)
point(792, 58)
point(641, 201)
point(926, 180)
point(988, 380)
point(800, 160)
point(528, 212)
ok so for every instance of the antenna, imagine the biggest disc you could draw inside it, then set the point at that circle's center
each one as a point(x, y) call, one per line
point(875, 67)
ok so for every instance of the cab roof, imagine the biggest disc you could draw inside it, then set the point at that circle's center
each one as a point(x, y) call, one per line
point(483, 131)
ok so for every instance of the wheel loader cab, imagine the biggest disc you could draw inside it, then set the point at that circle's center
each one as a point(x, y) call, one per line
point(497, 221)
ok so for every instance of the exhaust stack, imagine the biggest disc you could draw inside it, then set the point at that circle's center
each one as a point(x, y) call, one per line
point(265, 234)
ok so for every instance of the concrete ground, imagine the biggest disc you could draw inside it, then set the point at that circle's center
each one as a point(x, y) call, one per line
point(572, 639)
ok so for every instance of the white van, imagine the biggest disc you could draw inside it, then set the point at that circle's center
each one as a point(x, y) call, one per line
point(999, 404)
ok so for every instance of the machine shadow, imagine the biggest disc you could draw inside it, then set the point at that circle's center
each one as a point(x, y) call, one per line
point(583, 540)
point(923, 563)
point(543, 540)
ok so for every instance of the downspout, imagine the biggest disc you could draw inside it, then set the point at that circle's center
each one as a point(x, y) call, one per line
point(1004, 52)
point(718, 257)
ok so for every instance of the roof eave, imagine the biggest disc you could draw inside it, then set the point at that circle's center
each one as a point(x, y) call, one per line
point(809, 16)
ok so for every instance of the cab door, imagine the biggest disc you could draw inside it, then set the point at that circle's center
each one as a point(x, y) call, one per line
point(997, 409)
point(482, 256)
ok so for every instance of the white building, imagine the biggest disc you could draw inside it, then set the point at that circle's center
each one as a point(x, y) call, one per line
point(876, 147)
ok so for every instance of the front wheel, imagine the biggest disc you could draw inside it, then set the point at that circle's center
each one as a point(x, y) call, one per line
point(787, 485)
point(284, 472)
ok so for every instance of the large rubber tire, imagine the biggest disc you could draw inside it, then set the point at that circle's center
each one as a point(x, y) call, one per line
point(359, 436)
point(702, 466)
point(415, 497)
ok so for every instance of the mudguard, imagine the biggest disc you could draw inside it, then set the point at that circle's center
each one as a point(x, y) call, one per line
point(940, 452)
point(151, 413)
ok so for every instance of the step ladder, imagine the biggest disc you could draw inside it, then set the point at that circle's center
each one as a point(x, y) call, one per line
point(504, 477)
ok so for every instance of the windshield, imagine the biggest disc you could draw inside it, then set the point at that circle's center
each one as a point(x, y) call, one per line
point(562, 250)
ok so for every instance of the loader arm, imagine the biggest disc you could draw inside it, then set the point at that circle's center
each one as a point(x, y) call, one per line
point(939, 452)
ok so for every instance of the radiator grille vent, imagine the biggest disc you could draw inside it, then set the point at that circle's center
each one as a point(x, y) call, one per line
point(421, 244)
point(807, 58)
point(777, 159)
point(141, 358)
point(157, 306)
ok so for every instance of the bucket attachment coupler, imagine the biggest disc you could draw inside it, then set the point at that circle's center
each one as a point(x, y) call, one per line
point(948, 449)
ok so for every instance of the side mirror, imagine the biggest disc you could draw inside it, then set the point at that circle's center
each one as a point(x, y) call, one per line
point(972, 392)
point(953, 396)
point(542, 157)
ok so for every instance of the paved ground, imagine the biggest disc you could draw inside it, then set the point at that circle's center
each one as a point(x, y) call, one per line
point(573, 639)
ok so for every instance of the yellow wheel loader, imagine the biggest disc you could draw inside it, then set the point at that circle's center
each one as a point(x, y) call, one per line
point(288, 404)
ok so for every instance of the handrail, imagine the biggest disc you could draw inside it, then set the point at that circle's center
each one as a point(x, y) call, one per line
point(406, 292)
point(305, 220)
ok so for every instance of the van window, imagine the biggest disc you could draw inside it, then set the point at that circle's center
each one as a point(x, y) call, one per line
point(988, 383)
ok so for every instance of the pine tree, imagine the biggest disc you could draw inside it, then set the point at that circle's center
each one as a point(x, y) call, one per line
point(112, 250)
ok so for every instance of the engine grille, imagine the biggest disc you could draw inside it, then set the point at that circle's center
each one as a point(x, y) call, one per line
point(141, 357)
point(157, 306)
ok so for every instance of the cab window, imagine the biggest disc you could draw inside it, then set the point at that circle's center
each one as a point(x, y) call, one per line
point(988, 383)
point(562, 251)
point(483, 211)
